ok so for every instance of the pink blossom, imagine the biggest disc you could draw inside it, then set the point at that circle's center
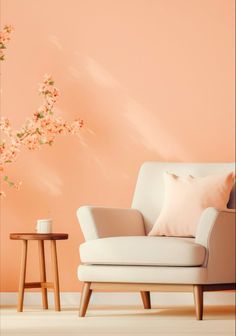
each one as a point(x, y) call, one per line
point(4, 39)
point(42, 128)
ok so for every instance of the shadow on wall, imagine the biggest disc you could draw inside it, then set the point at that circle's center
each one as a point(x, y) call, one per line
point(117, 125)
point(122, 115)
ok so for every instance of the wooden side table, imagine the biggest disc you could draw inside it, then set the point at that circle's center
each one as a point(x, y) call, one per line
point(43, 284)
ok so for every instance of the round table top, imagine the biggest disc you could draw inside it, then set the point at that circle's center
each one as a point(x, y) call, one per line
point(39, 236)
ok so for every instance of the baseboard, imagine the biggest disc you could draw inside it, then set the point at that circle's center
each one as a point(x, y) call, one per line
point(117, 299)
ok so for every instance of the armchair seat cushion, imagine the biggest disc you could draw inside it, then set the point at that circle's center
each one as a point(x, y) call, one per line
point(143, 250)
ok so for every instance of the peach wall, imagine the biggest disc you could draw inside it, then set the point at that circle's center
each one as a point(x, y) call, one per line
point(152, 79)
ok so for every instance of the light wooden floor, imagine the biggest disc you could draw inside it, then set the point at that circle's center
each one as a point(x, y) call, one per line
point(117, 321)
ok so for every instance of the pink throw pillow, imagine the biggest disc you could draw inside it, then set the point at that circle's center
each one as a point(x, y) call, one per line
point(186, 198)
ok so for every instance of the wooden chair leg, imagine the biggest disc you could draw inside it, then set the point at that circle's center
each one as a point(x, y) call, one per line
point(55, 276)
point(198, 298)
point(22, 276)
point(146, 299)
point(85, 297)
point(43, 273)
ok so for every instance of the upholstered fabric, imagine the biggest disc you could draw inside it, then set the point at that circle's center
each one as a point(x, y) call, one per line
point(193, 194)
point(100, 222)
point(149, 192)
point(142, 274)
point(216, 231)
point(155, 251)
point(215, 235)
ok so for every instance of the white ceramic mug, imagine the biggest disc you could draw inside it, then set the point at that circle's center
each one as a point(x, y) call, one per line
point(44, 226)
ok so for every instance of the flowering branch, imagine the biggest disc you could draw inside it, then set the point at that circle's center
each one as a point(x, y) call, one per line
point(41, 129)
point(4, 39)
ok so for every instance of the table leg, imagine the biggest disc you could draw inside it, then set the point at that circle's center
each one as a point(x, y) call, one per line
point(43, 272)
point(22, 276)
point(55, 276)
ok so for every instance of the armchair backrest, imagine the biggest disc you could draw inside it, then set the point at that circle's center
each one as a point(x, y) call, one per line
point(149, 191)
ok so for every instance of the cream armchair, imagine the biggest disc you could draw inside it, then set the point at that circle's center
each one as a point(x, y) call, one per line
point(118, 254)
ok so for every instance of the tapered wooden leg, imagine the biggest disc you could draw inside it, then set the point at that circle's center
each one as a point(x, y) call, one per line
point(22, 276)
point(198, 298)
point(55, 276)
point(146, 299)
point(85, 297)
point(43, 273)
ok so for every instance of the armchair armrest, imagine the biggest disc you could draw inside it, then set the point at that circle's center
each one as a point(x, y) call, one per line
point(216, 231)
point(212, 217)
point(100, 222)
